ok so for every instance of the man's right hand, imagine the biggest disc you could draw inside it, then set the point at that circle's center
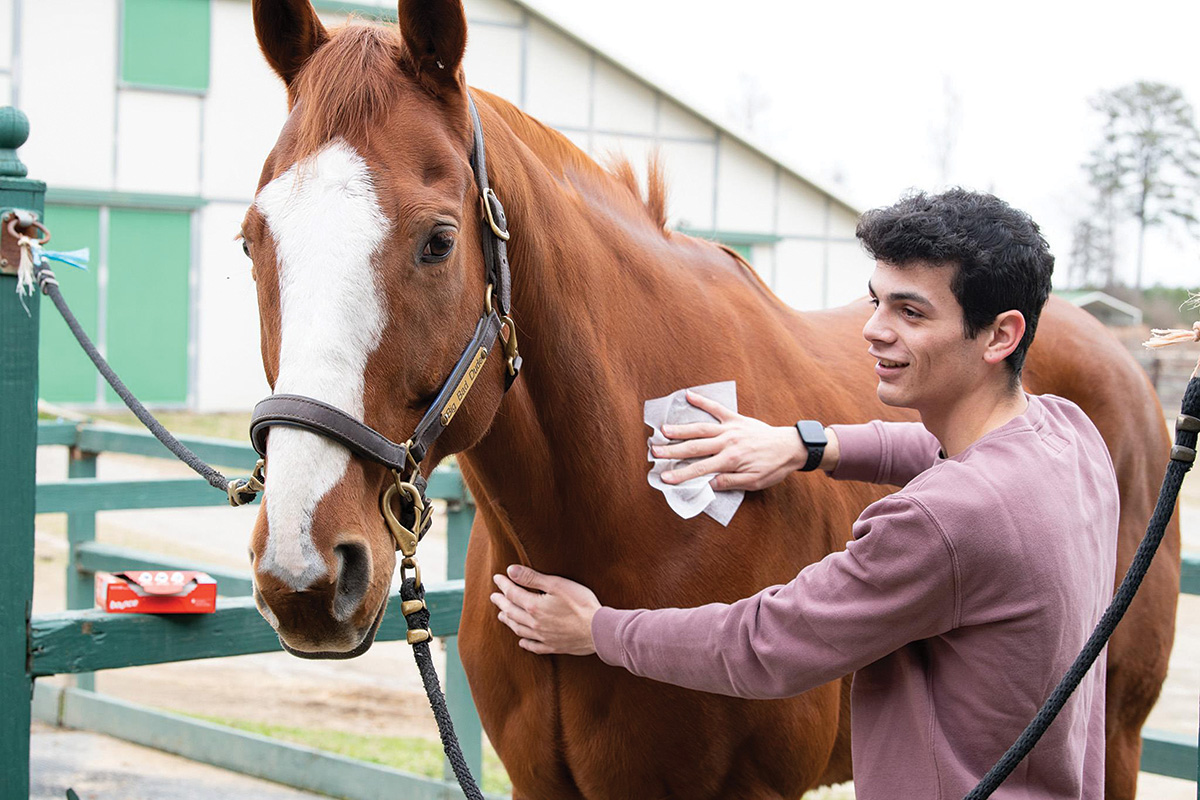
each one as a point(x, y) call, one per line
point(743, 452)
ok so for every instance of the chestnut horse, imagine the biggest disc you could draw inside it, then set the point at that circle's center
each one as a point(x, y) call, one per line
point(365, 241)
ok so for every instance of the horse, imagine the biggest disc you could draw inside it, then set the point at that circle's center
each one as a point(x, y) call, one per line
point(365, 239)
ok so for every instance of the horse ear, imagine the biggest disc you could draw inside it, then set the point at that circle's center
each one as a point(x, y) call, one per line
point(289, 32)
point(435, 35)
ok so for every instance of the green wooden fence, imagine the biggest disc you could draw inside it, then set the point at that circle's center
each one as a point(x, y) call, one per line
point(82, 640)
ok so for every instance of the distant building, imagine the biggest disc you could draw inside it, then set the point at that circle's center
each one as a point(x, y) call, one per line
point(1104, 307)
point(150, 121)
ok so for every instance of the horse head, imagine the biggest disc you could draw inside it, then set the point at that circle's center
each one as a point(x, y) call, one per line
point(365, 241)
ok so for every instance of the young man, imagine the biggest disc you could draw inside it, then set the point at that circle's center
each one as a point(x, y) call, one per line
point(964, 596)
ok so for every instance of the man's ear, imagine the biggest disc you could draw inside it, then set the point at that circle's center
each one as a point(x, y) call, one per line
point(1006, 333)
point(289, 32)
point(435, 38)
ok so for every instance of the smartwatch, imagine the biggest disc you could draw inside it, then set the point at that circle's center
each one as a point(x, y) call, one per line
point(812, 434)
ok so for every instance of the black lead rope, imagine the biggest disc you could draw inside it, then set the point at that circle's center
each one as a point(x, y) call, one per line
point(417, 621)
point(1182, 456)
point(49, 285)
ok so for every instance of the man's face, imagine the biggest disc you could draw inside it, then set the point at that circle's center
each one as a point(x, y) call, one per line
point(916, 334)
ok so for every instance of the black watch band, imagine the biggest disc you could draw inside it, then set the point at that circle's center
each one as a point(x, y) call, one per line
point(812, 434)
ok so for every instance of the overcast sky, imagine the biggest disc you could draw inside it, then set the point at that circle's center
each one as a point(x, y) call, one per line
point(857, 92)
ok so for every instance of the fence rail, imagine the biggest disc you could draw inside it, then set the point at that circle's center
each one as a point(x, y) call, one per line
point(84, 640)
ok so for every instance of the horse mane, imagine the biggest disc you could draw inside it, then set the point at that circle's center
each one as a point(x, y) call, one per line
point(556, 150)
point(354, 78)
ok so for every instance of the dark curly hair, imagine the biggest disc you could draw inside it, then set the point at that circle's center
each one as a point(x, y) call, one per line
point(1001, 260)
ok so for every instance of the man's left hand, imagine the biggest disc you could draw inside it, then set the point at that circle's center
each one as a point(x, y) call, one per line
point(554, 618)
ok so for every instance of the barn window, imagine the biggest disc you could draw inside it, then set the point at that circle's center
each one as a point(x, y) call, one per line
point(165, 44)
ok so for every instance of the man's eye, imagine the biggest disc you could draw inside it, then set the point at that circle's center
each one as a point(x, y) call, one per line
point(437, 248)
point(874, 301)
point(911, 313)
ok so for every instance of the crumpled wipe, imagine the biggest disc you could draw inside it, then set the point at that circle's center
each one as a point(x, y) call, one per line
point(689, 498)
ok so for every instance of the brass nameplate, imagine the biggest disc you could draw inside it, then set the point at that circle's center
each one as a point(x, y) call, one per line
point(464, 386)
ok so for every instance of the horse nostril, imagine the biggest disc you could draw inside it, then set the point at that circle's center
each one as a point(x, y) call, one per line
point(354, 576)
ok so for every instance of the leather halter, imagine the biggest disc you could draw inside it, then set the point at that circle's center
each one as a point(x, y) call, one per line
point(404, 460)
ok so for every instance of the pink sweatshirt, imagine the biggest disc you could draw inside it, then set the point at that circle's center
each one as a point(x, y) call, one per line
point(958, 605)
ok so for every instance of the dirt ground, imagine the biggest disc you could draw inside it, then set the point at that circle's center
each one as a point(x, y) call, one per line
point(380, 692)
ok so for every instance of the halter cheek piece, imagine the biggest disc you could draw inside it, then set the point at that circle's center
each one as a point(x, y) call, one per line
point(407, 491)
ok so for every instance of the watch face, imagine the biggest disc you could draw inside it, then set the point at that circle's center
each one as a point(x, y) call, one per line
point(812, 433)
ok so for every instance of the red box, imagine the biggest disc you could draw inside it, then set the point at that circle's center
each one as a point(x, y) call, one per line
point(156, 592)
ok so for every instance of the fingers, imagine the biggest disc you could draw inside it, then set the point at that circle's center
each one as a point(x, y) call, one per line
point(692, 430)
point(707, 466)
point(530, 578)
point(510, 610)
point(516, 595)
point(534, 646)
point(688, 449)
point(719, 411)
point(521, 630)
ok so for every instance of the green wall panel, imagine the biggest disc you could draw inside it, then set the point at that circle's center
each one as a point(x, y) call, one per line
point(67, 374)
point(147, 302)
point(165, 43)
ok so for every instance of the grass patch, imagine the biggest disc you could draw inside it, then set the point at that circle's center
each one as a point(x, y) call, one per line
point(411, 754)
point(185, 423)
point(418, 756)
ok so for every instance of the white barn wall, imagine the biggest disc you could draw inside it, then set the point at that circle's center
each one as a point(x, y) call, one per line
point(621, 103)
point(745, 198)
point(558, 79)
point(492, 61)
point(244, 108)
point(70, 101)
point(158, 142)
point(849, 271)
point(499, 11)
point(213, 143)
point(229, 372)
point(691, 180)
point(6, 39)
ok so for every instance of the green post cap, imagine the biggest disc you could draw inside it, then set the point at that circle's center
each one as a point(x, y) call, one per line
point(14, 131)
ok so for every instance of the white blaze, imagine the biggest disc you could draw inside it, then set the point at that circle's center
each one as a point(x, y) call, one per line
point(326, 224)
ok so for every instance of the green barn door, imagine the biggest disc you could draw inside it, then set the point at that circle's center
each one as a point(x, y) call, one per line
point(147, 306)
point(67, 374)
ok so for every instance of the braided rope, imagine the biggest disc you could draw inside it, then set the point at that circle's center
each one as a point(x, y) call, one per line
point(419, 621)
point(49, 286)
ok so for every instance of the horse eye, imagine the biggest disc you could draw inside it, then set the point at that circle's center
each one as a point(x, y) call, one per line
point(438, 247)
point(246, 248)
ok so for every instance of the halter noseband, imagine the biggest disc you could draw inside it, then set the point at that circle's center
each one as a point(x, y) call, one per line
point(404, 460)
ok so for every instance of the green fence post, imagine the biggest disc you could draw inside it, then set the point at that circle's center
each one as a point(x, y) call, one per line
point(81, 527)
point(459, 516)
point(18, 463)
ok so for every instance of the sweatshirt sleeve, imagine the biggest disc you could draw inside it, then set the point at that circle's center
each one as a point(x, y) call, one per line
point(896, 582)
point(884, 452)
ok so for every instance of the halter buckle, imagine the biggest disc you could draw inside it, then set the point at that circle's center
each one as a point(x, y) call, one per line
point(500, 228)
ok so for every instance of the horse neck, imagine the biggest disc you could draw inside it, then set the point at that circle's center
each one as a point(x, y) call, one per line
point(593, 279)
